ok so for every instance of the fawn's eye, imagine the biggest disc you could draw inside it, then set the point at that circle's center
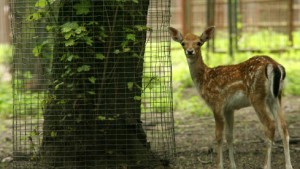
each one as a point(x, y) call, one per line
point(182, 43)
point(199, 43)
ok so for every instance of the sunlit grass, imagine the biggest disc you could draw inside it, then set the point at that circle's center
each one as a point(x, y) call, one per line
point(6, 101)
point(5, 53)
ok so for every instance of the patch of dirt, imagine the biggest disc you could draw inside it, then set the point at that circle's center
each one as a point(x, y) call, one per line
point(195, 140)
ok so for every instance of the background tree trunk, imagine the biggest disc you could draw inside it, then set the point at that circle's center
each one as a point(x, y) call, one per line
point(92, 114)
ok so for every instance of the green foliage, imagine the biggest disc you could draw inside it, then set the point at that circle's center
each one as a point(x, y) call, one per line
point(92, 79)
point(5, 54)
point(43, 9)
point(181, 74)
point(83, 68)
point(194, 105)
point(82, 8)
point(6, 101)
point(100, 56)
point(32, 100)
point(156, 99)
point(39, 50)
point(130, 85)
point(130, 37)
point(263, 40)
point(292, 66)
point(124, 1)
point(73, 33)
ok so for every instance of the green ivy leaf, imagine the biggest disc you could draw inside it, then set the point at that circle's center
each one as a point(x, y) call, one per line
point(130, 85)
point(137, 98)
point(130, 37)
point(89, 41)
point(101, 118)
point(80, 29)
point(70, 42)
point(70, 57)
point(117, 51)
point(37, 50)
point(50, 28)
point(91, 92)
point(58, 85)
point(126, 49)
point(34, 17)
point(92, 79)
point(93, 23)
point(124, 44)
point(83, 68)
point(70, 85)
point(135, 1)
point(61, 102)
point(82, 8)
point(53, 134)
point(67, 27)
point(100, 56)
point(41, 3)
point(68, 35)
point(137, 56)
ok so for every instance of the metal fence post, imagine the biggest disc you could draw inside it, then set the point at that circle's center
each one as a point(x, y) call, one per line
point(291, 22)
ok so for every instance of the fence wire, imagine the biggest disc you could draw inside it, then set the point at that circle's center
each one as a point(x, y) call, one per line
point(92, 84)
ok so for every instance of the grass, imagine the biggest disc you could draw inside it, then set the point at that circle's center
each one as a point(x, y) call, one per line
point(5, 54)
point(6, 101)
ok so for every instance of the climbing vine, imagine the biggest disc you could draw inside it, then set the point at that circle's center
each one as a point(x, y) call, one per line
point(74, 33)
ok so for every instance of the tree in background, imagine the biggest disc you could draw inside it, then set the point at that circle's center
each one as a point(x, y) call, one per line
point(93, 105)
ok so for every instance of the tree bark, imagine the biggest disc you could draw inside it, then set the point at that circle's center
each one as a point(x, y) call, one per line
point(92, 117)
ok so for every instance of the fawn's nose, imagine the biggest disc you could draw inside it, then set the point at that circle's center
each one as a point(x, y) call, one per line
point(190, 52)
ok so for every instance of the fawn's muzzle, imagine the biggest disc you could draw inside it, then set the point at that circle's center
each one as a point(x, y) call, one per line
point(190, 52)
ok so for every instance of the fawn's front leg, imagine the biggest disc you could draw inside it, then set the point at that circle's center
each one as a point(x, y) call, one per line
point(219, 120)
point(229, 121)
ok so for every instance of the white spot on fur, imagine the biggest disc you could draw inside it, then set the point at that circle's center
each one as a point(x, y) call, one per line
point(233, 84)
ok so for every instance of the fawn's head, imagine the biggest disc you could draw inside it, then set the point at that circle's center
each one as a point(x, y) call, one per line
point(191, 43)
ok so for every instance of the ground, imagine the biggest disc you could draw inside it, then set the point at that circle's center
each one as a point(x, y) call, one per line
point(195, 140)
point(196, 146)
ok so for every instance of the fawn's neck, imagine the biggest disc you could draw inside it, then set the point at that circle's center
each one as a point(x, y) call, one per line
point(197, 69)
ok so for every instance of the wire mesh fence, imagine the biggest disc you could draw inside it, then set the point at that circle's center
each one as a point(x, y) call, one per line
point(92, 84)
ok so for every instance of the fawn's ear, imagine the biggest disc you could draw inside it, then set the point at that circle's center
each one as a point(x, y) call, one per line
point(175, 34)
point(207, 34)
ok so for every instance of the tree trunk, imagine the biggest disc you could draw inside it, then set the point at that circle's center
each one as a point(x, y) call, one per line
point(92, 114)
